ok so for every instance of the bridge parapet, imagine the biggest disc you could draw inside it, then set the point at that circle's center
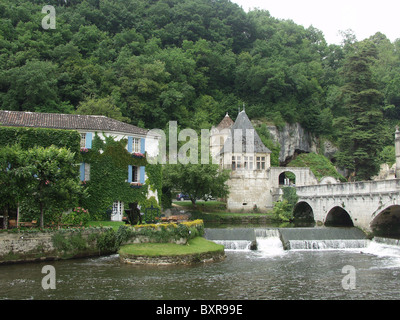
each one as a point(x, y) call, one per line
point(350, 189)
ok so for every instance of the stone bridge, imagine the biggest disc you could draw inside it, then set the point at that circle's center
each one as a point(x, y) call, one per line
point(373, 206)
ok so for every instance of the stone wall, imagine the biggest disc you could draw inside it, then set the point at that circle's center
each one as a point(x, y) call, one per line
point(304, 176)
point(249, 190)
point(39, 246)
point(258, 189)
point(174, 260)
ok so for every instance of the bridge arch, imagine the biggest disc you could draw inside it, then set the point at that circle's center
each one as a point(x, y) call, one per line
point(387, 222)
point(338, 217)
point(303, 211)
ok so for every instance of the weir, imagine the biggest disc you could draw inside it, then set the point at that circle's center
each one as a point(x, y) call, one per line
point(279, 239)
point(233, 239)
point(322, 238)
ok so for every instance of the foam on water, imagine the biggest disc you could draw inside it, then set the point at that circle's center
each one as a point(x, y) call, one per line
point(381, 249)
point(235, 245)
point(341, 244)
point(271, 246)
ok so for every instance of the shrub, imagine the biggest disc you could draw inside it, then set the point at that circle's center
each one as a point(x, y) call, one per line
point(163, 232)
point(78, 216)
point(282, 211)
point(319, 165)
point(107, 241)
point(150, 215)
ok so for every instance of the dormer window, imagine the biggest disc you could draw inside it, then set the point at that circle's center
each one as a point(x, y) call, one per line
point(260, 163)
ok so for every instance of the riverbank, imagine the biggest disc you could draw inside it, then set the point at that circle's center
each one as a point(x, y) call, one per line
point(155, 241)
point(32, 245)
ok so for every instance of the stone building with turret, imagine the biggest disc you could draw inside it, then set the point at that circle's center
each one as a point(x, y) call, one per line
point(253, 184)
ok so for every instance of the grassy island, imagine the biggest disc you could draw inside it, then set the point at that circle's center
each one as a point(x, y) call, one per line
point(196, 250)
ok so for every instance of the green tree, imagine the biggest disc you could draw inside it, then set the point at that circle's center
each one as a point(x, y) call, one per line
point(101, 106)
point(387, 155)
point(361, 129)
point(54, 179)
point(14, 177)
point(31, 87)
point(198, 180)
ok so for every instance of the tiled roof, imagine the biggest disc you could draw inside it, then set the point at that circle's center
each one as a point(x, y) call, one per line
point(66, 121)
point(226, 123)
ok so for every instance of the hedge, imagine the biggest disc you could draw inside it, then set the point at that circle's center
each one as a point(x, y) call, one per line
point(161, 233)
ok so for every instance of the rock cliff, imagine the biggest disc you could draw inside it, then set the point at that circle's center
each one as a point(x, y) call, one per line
point(294, 139)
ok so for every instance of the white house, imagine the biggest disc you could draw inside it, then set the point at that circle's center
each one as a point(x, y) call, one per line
point(139, 141)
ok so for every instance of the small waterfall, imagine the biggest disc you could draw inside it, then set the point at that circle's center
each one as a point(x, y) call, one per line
point(275, 241)
point(238, 239)
point(235, 245)
point(323, 238)
point(387, 241)
point(327, 244)
point(269, 242)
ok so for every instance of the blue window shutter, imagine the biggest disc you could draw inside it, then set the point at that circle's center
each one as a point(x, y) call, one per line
point(82, 171)
point(142, 174)
point(130, 140)
point(89, 137)
point(129, 174)
point(142, 145)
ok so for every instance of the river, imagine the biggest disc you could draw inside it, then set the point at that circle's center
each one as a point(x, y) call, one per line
point(268, 273)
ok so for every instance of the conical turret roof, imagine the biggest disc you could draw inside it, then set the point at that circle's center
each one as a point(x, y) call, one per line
point(226, 123)
point(244, 124)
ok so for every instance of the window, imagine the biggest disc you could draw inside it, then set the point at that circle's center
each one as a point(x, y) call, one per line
point(87, 171)
point(236, 162)
point(136, 145)
point(248, 163)
point(135, 174)
point(83, 140)
point(260, 162)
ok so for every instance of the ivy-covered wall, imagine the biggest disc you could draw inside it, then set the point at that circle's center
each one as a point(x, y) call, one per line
point(109, 162)
point(40, 137)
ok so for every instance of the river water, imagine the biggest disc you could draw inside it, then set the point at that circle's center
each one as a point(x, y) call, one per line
point(264, 274)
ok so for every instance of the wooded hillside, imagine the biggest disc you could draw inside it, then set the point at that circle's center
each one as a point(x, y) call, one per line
point(150, 61)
